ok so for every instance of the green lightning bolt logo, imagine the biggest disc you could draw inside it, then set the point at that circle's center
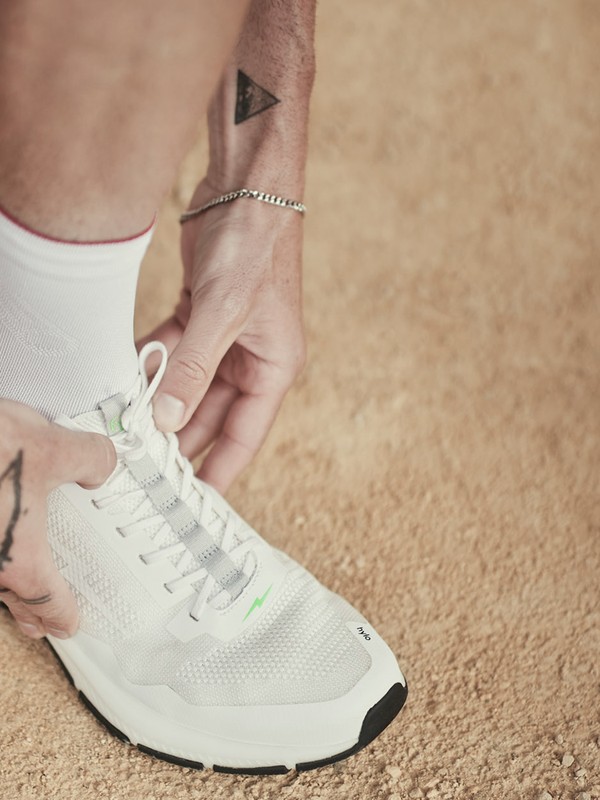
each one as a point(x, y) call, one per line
point(257, 603)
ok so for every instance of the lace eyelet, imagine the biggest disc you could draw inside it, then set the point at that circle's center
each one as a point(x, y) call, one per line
point(95, 504)
point(120, 532)
point(194, 618)
point(170, 591)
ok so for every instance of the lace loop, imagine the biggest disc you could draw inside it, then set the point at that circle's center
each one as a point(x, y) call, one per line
point(162, 507)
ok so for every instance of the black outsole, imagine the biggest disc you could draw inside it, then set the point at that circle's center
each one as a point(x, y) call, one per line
point(102, 719)
point(376, 720)
point(276, 770)
point(181, 762)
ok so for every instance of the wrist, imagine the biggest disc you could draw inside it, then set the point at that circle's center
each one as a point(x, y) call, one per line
point(267, 152)
point(266, 173)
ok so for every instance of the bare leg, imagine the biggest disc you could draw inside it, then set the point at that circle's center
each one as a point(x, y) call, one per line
point(99, 102)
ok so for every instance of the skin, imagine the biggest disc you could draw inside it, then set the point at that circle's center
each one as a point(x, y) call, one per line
point(233, 364)
point(85, 86)
point(32, 588)
point(236, 336)
point(99, 103)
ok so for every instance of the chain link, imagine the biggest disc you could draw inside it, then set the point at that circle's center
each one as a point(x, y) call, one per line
point(264, 197)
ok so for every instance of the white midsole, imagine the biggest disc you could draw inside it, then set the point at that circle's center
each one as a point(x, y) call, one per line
point(230, 736)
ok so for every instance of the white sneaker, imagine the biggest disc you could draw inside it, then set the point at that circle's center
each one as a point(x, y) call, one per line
point(199, 642)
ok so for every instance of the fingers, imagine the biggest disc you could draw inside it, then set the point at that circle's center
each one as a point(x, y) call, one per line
point(87, 458)
point(212, 328)
point(39, 598)
point(52, 613)
point(208, 419)
point(169, 333)
point(26, 619)
point(245, 429)
point(47, 456)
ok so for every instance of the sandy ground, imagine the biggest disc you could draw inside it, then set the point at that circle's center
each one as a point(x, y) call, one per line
point(438, 461)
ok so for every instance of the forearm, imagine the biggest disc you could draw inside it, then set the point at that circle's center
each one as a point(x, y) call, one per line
point(257, 141)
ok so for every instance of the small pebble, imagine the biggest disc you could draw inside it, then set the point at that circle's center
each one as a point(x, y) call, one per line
point(567, 760)
point(584, 796)
point(394, 772)
point(559, 739)
point(415, 794)
point(545, 796)
point(580, 773)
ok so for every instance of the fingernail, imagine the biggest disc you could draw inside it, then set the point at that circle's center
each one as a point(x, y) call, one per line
point(58, 633)
point(30, 630)
point(168, 412)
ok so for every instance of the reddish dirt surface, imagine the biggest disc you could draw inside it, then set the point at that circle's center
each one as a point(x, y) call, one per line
point(438, 461)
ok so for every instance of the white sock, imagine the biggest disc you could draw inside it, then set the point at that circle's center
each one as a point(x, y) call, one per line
point(66, 319)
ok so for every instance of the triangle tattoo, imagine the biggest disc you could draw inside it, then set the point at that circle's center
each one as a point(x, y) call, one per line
point(251, 99)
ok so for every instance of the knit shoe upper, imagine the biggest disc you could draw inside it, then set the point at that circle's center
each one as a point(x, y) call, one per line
point(194, 621)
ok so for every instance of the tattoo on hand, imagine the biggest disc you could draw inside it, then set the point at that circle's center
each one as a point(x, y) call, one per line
point(251, 98)
point(37, 601)
point(12, 474)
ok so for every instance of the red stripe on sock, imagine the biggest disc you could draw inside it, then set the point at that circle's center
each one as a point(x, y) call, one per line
point(49, 238)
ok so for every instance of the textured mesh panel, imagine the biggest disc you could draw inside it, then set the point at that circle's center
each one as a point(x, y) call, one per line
point(59, 561)
point(93, 621)
point(301, 651)
point(153, 657)
point(94, 570)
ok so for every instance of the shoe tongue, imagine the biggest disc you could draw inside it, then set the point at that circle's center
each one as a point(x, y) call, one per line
point(92, 421)
point(112, 410)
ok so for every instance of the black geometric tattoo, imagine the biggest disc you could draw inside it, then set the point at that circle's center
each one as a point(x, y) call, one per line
point(251, 99)
point(13, 474)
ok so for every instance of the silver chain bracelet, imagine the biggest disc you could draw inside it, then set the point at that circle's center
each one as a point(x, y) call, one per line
point(231, 196)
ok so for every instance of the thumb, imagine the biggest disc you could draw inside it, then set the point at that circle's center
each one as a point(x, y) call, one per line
point(85, 458)
point(210, 332)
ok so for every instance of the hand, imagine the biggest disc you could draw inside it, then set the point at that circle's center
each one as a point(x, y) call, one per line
point(36, 456)
point(236, 337)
